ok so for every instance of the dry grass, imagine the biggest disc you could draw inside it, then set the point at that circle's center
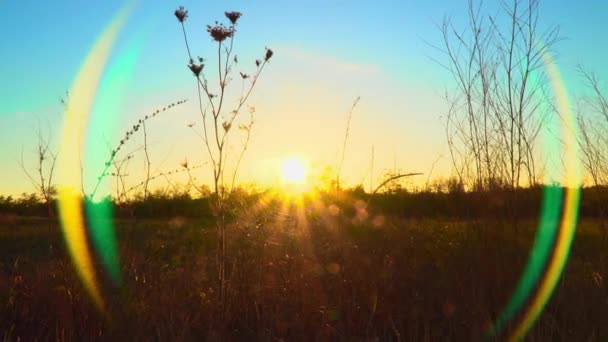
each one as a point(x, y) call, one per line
point(330, 276)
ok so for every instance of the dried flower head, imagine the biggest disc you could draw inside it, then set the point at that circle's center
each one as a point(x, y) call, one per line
point(244, 76)
point(233, 16)
point(184, 163)
point(181, 14)
point(226, 125)
point(196, 68)
point(269, 54)
point(258, 62)
point(219, 32)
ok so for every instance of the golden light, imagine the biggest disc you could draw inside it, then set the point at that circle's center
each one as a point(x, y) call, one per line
point(294, 171)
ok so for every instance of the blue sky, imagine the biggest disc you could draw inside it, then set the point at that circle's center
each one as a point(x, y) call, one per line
point(327, 53)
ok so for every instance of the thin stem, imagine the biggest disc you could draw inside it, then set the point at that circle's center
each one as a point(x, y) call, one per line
point(186, 41)
point(147, 162)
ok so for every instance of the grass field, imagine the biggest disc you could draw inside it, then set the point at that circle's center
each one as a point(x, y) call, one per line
point(297, 274)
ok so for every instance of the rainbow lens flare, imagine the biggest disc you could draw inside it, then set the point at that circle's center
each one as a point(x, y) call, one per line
point(69, 175)
point(549, 254)
point(557, 224)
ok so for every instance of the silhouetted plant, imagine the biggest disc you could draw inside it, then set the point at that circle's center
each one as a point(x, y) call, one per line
point(185, 168)
point(593, 139)
point(593, 124)
point(499, 104)
point(217, 124)
point(45, 167)
point(350, 115)
point(128, 135)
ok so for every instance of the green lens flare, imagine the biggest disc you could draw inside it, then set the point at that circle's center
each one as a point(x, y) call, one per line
point(101, 225)
point(549, 254)
point(541, 251)
point(557, 221)
point(105, 117)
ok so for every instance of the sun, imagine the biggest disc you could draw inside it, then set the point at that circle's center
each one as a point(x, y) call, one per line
point(294, 171)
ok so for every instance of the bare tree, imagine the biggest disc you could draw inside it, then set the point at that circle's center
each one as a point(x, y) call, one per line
point(499, 105)
point(593, 124)
point(593, 140)
point(42, 179)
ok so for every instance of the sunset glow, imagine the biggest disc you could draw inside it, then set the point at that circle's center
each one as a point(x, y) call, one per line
point(403, 171)
point(294, 171)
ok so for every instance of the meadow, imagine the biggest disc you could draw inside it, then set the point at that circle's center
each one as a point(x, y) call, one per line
point(300, 269)
point(200, 219)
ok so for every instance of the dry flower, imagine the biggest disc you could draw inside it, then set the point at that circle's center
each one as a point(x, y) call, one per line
point(219, 32)
point(269, 54)
point(184, 163)
point(226, 125)
point(233, 16)
point(196, 68)
point(181, 14)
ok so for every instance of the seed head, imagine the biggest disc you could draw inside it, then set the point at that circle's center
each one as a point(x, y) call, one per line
point(233, 16)
point(226, 126)
point(219, 32)
point(269, 54)
point(181, 14)
point(196, 68)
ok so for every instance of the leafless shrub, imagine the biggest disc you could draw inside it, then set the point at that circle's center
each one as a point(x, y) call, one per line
point(499, 105)
point(42, 179)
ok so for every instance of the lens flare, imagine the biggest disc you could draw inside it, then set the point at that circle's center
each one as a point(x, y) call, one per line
point(550, 251)
point(82, 96)
point(557, 226)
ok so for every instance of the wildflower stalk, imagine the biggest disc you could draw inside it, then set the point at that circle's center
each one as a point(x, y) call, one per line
point(221, 126)
point(147, 162)
point(163, 174)
point(350, 115)
point(123, 141)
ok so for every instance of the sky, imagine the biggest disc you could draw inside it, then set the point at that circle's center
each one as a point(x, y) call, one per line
point(327, 53)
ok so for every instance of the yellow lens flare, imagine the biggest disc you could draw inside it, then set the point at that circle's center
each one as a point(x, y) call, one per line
point(82, 96)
